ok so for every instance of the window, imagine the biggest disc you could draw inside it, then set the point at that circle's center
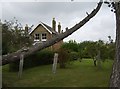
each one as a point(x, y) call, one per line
point(37, 37)
point(44, 37)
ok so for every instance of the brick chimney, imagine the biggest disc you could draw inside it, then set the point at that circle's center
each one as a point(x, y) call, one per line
point(26, 30)
point(59, 27)
point(54, 24)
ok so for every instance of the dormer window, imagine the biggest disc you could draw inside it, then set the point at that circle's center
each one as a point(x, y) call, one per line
point(43, 37)
point(37, 37)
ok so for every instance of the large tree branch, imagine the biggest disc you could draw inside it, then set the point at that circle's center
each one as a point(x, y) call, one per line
point(16, 55)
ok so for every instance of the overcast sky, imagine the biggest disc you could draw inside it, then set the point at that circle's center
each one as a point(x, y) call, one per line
point(68, 13)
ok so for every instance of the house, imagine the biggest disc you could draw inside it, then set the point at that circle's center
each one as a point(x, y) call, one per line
point(42, 32)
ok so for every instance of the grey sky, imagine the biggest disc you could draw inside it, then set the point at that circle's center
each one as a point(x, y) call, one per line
point(68, 13)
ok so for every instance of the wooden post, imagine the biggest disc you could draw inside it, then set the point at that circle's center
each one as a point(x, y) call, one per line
point(55, 63)
point(21, 65)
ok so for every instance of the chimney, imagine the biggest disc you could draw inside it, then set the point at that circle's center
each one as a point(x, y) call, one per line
point(59, 27)
point(54, 24)
point(26, 30)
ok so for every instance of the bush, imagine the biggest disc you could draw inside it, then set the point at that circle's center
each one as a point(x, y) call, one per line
point(63, 57)
point(74, 56)
point(43, 57)
point(14, 66)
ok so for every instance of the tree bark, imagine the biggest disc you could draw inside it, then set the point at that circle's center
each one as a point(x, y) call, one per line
point(16, 55)
point(115, 76)
point(99, 60)
point(94, 60)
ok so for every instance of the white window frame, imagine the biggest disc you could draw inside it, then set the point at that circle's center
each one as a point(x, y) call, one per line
point(42, 37)
point(36, 37)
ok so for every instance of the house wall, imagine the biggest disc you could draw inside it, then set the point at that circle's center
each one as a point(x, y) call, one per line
point(56, 46)
point(40, 29)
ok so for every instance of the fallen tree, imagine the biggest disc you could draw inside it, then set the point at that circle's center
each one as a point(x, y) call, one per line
point(31, 50)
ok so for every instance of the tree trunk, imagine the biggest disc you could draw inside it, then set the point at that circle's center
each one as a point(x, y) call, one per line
point(16, 55)
point(115, 76)
point(99, 60)
point(94, 61)
point(95, 64)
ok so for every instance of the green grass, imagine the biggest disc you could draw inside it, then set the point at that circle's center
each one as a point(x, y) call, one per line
point(78, 74)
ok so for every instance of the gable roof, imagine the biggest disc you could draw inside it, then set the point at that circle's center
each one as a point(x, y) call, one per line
point(48, 28)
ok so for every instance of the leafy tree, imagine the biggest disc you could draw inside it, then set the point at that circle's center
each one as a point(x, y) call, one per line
point(6, 35)
point(83, 49)
point(111, 48)
point(71, 46)
point(13, 37)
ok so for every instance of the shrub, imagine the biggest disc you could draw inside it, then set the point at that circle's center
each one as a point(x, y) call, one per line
point(74, 56)
point(14, 66)
point(63, 57)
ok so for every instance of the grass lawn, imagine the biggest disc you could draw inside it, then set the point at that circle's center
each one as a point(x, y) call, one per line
point(78, 74)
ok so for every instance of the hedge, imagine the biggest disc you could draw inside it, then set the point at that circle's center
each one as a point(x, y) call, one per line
point(43, 57)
